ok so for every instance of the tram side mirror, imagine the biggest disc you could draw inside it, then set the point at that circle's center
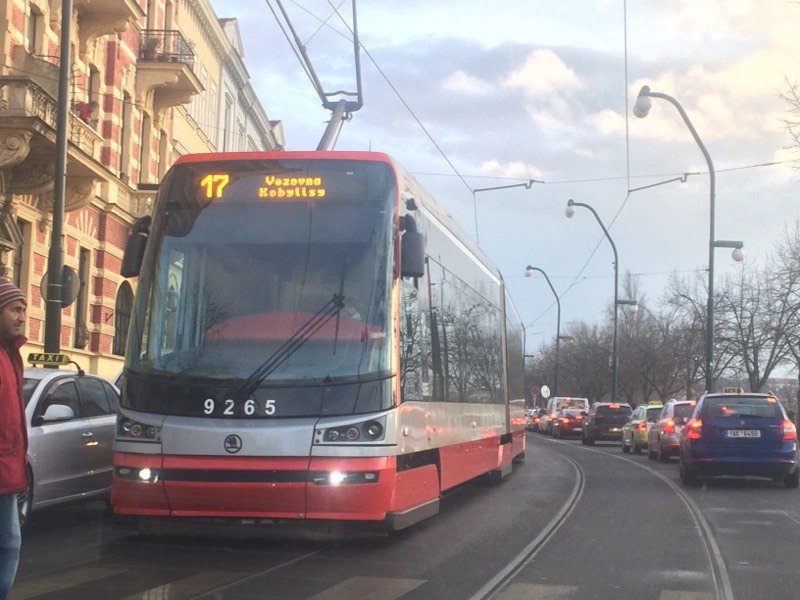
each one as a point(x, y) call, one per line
point(412, 249)
point(134, 247)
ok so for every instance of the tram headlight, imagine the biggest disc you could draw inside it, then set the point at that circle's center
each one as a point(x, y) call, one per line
point(372, 430)
point(345, 478)
point(143, 475)
point(128, 429)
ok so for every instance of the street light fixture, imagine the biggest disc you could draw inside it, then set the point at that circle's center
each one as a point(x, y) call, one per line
point(528, 272)
point(640, 109)
point(570, 212)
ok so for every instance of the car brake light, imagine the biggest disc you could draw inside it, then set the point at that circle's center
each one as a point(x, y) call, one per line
point(613, 406)
point(694, 429)
point(641, 426)
point(789, 431)
point(565, 421)
point(669, 426)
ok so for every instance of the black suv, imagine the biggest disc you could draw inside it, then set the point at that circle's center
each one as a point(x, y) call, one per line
point(604, 422)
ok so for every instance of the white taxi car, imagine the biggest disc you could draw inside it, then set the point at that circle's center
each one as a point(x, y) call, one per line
point(71, 418)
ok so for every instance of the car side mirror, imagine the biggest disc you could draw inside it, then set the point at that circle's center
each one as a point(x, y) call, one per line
point(58, 412)
point(412, 249)
point(134, 247)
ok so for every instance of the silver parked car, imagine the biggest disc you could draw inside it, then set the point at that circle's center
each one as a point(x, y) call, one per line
point(71, 420)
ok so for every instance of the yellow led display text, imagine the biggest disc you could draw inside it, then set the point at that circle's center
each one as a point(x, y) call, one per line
point(214, 184)
point(291, 187)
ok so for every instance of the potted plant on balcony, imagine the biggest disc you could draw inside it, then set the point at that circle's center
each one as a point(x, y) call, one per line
point(150, 48)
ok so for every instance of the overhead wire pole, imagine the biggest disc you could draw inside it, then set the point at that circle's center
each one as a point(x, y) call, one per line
point(527, 185)
point(340, 108)
point(55, 257)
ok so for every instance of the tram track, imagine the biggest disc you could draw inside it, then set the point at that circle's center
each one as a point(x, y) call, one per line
point(496, 585)
point(719, 572)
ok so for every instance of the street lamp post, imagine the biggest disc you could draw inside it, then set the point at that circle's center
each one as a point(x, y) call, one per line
point(570, 212)
point(528, 272)
point(640, 109)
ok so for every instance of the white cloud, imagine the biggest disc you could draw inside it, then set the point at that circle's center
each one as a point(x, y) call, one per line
point(607, 122)
point(461, 82)
point(513, 170)
point(543, 73)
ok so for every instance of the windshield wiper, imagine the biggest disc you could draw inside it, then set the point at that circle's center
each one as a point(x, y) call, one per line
point(291, 345)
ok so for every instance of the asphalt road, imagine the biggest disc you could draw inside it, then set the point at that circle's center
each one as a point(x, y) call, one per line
point(570, 522)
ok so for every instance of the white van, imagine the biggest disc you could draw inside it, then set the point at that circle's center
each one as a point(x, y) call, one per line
point(555, 404)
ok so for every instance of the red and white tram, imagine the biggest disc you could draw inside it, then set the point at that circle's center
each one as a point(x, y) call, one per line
point(312, 340)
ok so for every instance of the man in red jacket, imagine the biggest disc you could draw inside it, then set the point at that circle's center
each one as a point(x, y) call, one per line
point(13, 430)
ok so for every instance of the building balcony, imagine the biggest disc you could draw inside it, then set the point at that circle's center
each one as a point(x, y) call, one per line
point(104, 17)
point(165, 74)
point(28, 144)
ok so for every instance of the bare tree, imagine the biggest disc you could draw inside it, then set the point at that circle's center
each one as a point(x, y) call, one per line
point(792, 123)
point(754, 315)
point(786, 277)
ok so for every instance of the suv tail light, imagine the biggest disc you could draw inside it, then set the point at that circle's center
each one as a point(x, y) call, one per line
point(641, 426)
point(669, 426)
point(694, 429)
point(789, 431)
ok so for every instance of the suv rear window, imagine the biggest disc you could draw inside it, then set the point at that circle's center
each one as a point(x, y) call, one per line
point(652, 414)
point(743, 406)
point(683, 410)
point(613, 410)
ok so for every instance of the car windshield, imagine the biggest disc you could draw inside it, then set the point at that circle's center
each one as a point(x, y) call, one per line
point(743, 406)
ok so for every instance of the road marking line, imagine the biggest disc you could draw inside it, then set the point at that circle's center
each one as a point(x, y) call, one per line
point(188, 587)
point(31, 588)
point(536, 591)
point(680, 595)
point(374, 588)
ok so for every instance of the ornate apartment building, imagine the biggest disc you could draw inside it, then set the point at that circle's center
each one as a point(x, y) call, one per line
point(150, 80)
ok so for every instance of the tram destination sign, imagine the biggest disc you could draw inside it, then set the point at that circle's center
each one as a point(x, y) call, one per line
point(271, 187)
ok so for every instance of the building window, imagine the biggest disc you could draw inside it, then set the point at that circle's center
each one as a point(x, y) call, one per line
point(125, 138)
point(33, 30)
point(122, 318)
point(163, 154)
point(146, 141)
point(227, 143)
point(200, 115)
point(82, 307)
point(21, 255)
point(241, 142)
point(212, 114)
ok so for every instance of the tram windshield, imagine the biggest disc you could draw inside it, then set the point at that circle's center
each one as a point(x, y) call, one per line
point(267, 271)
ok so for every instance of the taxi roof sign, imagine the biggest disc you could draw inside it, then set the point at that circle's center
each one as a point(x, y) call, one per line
point(48, 359)
point(732, 390)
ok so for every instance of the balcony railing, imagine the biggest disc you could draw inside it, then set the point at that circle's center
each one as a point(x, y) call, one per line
point(22, 97)
point(166, 45)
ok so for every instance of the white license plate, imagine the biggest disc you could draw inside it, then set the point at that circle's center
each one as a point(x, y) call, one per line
point(743, 433)
point(615, 430)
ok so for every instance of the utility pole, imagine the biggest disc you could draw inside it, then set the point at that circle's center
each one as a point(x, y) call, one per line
point(55, 258)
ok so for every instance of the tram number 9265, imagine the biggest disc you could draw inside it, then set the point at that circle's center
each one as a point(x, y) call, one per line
point(229, 408)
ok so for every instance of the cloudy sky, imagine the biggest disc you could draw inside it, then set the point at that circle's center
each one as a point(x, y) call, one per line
point(512, 90)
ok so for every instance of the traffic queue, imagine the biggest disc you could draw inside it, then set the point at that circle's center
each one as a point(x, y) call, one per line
point(730, 433)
